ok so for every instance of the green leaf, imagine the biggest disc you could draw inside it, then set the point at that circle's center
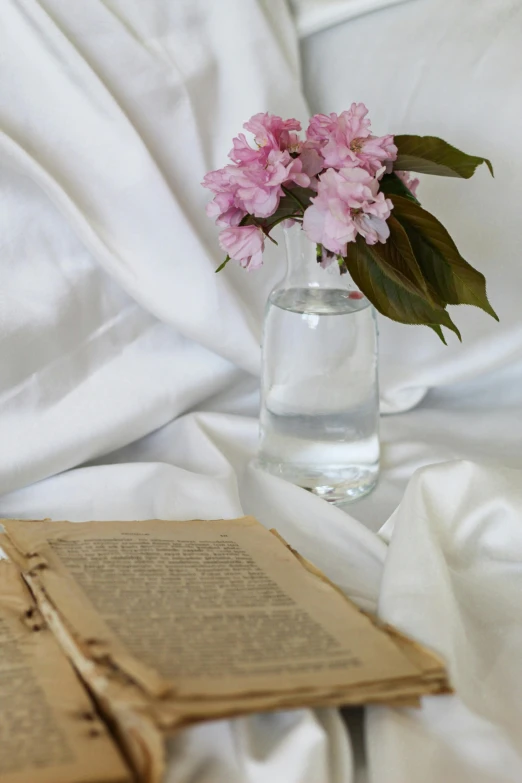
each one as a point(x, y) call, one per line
point(287, 208)
point(390, 184)
point(431, 155)
point(250, 220)
point(294, 203)
point(452, 278)
point(303, 194)
point(300, 196)
point(438, 331)
point(223, 265)
point(396, 259)
point(387, 296)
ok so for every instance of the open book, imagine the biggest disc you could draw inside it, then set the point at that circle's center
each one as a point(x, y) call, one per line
point(171, 623)
point(50, 731)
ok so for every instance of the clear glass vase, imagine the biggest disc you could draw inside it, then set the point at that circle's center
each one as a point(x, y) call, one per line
point(319, 421)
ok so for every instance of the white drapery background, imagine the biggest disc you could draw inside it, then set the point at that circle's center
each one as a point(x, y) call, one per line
point(128, 370)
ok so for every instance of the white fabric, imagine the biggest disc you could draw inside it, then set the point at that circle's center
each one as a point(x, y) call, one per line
point(453, 575)
point(110, 119)
point(311, 16)
point(128, 369)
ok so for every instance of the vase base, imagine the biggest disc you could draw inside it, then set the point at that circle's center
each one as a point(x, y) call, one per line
point(336, 484)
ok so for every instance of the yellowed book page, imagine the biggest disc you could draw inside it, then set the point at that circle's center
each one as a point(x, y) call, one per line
point(206, 609)
point(49, 730)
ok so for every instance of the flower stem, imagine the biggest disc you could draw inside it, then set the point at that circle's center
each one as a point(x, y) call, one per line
point(265, 230)
point(223, 265)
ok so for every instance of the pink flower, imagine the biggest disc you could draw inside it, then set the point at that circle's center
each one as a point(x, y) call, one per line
point(348, 203)
point(223, 209)
point(328, 221)
point(345, 140)
point(242, 152)
point(244, 244)
point(294, 170)
point(226, 207)
point(258, 188)
point(272, 131)
point(311, 160)
point(411, 183)
point(320, 128)
point(253, 183)
point(218, 181)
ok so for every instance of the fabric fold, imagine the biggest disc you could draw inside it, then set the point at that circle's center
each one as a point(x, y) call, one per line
point(453, 572)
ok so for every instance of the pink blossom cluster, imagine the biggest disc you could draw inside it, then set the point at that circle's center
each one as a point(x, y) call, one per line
point(339, 161)
point(345, 141)
point(347, 203)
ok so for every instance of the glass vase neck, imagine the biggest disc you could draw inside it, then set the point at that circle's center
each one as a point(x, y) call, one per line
point(303, 267)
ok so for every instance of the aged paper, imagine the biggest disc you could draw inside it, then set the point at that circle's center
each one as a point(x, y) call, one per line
point(176, 622)
point(49, 730)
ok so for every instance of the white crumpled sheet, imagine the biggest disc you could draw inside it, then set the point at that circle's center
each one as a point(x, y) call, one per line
point(312, 16)
point(128, 370)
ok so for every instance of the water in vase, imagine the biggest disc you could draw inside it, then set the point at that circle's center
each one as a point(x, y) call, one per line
point(320, 406)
